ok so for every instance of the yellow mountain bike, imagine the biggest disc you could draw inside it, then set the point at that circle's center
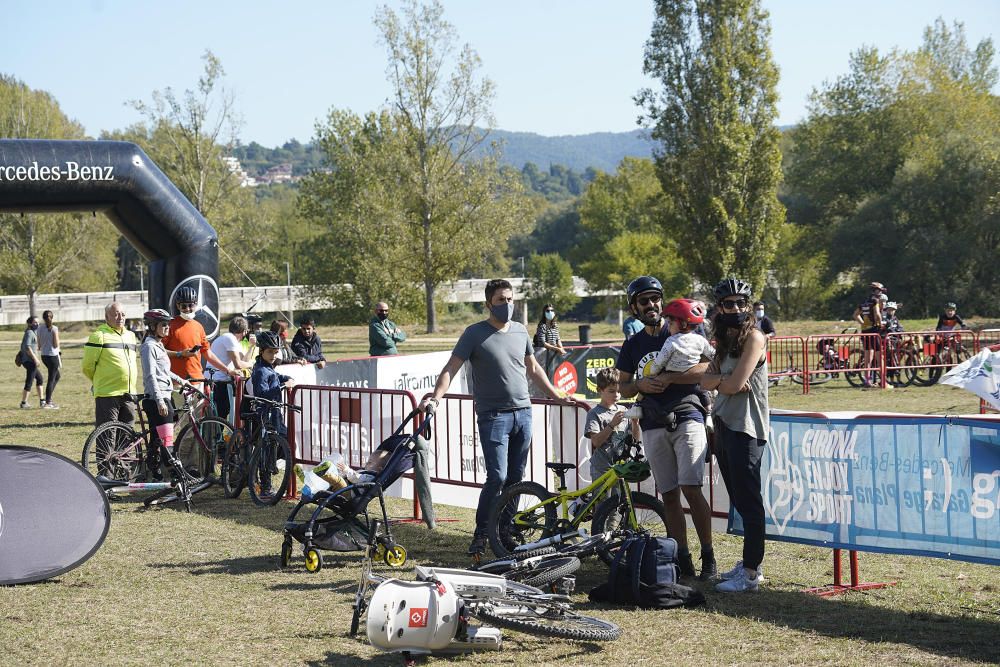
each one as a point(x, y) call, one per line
point(527, 515)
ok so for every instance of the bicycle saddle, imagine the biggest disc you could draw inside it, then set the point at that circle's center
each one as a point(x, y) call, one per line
point(560, 467)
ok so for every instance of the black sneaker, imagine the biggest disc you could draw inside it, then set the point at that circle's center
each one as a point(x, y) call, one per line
point(478, 545)
point(709, 570)
point(685, 564)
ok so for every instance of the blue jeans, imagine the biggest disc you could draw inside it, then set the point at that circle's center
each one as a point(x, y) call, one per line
point(506, 440)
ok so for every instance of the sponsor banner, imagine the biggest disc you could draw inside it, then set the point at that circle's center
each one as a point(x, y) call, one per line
point(893, 484)
point(416, 373)
point(980, 375)
point(574, 372)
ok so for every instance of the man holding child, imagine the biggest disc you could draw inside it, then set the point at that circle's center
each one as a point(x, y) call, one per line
point(673, 415)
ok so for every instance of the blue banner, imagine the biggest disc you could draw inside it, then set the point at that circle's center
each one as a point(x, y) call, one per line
point(908, 485)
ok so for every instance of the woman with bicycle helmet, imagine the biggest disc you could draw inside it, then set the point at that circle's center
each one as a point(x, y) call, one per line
point(740, 414)
point(672, 421)
point(158, 381)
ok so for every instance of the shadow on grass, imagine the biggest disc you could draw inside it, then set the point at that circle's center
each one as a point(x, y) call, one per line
point(237, 566)
point(62, 424)
point(942, 634)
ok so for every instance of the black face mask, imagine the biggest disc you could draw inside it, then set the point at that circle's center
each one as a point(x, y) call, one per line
point(382, 316)
point(732, 319)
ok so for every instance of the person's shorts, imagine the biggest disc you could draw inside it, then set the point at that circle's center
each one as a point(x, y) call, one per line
point(676, 458)
point(872, 342)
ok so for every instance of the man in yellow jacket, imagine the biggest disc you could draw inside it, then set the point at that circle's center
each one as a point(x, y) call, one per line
point(110, 363)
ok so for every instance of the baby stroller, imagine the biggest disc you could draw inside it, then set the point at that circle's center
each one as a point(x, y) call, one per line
point(338, 520)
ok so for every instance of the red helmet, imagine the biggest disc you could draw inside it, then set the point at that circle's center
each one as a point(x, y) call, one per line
point(685, 310)
point(155, 316)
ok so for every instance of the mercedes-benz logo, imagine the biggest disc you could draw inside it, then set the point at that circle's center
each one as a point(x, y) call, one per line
point(207, 308)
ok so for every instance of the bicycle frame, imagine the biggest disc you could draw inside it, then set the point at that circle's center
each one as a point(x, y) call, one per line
point(599, 487)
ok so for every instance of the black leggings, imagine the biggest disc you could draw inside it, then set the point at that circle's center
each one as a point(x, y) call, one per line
point(52, 364)
point(739, 457)
point(31, 372)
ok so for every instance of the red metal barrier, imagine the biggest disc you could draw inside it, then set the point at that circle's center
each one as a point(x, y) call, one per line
point(852, 356)
point(785, 359)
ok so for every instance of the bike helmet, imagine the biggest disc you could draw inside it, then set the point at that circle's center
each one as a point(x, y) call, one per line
point(633, 471)
point(878, 286)
point(732, 287)
point(891, 305)
point(686, 310)
point(643, 284)
point(186, 294)
point(950, 306)
point(883, 297)
point(155, 316)
point(268, 340)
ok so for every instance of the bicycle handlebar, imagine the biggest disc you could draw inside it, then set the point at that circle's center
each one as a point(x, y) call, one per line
point(275, 404)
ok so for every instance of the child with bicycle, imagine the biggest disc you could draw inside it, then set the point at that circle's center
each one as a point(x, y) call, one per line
point(267, 383)
point(158, 381)
point(607, 424)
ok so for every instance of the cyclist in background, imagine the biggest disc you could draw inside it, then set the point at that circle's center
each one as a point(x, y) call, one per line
point(268, 383)
point(949, 319)
point(868, 315)
point(890, 323)
point(158, 381)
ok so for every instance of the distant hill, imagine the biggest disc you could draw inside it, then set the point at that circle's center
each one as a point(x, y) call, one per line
point(599, 150)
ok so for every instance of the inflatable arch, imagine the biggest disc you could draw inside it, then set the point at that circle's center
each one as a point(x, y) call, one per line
point(118, 179)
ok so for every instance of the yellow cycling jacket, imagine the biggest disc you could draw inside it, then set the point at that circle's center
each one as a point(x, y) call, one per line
point(109, 361)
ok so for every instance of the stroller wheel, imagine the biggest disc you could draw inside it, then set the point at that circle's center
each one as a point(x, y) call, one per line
point(286, 553)
point(395, 557)
point(314, 561)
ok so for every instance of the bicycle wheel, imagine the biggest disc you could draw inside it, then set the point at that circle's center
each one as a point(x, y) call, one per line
point(613, 515)
point(545, 571)
point(234, 466)
point(268, 470)
point(547, 619)
point(116, 451)
point(200, 451)
point(922, 375)
point(511, 524)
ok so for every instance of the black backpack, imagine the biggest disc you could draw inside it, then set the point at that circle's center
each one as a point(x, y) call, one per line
point(644, 573)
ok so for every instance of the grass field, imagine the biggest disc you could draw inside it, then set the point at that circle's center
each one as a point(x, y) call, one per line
point(205, 588)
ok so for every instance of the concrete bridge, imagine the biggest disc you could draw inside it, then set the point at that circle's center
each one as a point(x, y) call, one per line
point(89, 306)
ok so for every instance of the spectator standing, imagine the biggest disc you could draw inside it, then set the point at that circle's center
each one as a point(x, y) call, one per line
point(742, 422)
point(307, 345)
point(606, 425)
point(186, 344)
point(631, 326)
point(158, 381)
point(383, 334)
point(110, 363)
point(547, 338)
point(676, 454)
point(48, 346)
point(501, 360)
point(764, 322)
point(31, 362)
point(249, 340)
point(285, 354)
point(228, 348)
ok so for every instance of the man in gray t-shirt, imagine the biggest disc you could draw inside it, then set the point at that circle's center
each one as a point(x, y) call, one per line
point(500, 359)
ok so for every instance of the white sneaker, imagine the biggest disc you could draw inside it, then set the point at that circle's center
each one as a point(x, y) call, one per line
point(738, 584)
point(738, 571)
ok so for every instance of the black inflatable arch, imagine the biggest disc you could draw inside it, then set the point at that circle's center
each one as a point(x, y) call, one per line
point(118, 179)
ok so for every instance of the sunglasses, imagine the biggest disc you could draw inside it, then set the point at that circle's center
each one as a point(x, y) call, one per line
point(733, 304)
point(646, 300)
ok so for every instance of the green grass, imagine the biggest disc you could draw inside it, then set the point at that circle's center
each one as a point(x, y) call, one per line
point(205, 588)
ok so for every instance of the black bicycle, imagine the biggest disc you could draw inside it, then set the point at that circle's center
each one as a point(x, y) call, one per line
point(259, 458)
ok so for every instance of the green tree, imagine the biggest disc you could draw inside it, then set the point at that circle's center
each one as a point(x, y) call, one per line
point(713, 117)
point(895, 173)
point(550, 280)
point(54, 252)
point(404, 187)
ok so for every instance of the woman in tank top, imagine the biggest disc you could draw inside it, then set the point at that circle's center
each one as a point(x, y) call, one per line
point(739, 372)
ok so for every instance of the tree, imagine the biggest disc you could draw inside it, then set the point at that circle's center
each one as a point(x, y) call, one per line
point(550, 280)
point(404, 185)
point(56, 252)
point(187, 136)
point(621, 235)
point(895, 173)
point(714, 119)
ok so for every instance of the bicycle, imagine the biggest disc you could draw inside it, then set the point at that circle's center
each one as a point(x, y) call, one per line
point(259, 458)
point(491, 598)
point(116, 451)
point(527, 512)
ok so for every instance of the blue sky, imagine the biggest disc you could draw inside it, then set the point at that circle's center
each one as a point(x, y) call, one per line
point(560, 67)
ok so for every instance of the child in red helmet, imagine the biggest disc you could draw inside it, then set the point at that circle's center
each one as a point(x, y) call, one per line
point(684, 348)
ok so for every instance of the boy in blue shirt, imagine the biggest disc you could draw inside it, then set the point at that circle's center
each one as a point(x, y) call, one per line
point(268, 383)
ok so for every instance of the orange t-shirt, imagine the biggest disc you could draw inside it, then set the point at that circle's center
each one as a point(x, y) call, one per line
point(185, 334)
